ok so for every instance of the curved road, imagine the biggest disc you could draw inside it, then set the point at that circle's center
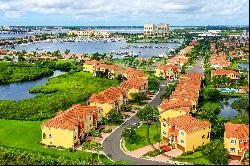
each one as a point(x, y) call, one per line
point(111, 145)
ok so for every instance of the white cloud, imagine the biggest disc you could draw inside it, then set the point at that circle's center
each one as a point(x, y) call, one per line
point(131, 9)
point(12, 14)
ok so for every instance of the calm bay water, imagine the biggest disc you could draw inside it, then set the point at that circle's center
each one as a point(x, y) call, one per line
point(227, 111)
point(101, 47)
point(20, 90)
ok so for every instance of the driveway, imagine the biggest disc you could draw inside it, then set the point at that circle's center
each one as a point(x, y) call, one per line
point(111, 145)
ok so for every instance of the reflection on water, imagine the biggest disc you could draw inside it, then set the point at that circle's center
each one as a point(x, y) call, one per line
point(20, 90)
point(226, 110)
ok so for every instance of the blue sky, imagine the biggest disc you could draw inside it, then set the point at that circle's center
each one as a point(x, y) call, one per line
point(124, 12)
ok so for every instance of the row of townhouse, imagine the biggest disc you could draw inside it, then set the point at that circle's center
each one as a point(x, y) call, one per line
point(100, 69)
point(69, 128)
point(178, 127)
point(172, 69)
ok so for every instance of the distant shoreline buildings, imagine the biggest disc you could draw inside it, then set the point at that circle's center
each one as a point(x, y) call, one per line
point(156, 31)
point(90, 33)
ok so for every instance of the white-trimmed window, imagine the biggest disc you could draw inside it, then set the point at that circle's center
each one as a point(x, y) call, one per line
point(50, 136)
point(182, 133)
point(182, 141)
point(232, 141)
point(164, 124)
point(164, 132)
point(232, 150)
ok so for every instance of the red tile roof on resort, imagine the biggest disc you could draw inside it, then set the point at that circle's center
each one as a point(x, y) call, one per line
point(187, 123)
point(71, 117)
point(135, 83)
point(134, 73)
point(171, 104)
point(240, 131)
point(168, 66)
point(219, 60)
point(188, 87)
point(224, 72)
point(107, 96)
point(91, 62)
point(106, 66)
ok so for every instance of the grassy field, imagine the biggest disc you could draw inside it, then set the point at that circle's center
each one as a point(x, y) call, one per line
point(58, 93)
point(27, 134)
point(147, 134)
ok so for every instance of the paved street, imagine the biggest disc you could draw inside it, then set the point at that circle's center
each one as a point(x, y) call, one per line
point(197, 67)
point(111, 145)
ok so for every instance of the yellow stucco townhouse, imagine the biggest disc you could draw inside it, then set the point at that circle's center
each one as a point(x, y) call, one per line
point(134, 85)
point(233, 75)
point(236, 140)
point(68, 128)
point(111, 98)
point(185, 132)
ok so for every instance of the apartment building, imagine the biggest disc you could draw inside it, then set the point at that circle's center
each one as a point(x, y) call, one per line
point(169, 71)
point(185, 132)
point(68, 128)
point(236, 140)
point(111, 98)
point(106, 71)
point(228, 73)
point(174, 108)
point(156, 31)
point(133, 73)
point(134, 85)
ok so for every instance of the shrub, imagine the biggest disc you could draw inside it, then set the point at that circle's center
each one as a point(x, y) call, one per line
point(107, 130)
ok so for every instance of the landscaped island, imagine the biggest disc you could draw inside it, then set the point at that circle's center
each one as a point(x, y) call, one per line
point(65, 90)
point(16, 72)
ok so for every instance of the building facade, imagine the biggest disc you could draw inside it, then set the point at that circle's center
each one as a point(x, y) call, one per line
point(185, 132)
point(236, 140)
point(156, 31)
point(68, 128)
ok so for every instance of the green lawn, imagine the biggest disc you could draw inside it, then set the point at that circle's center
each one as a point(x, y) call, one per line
point(146, 133)
point(27, 134)
point(59, 93)
point(196, 158)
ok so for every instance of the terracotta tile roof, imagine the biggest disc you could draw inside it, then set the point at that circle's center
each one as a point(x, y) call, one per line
point(91, 62)
point(173, 104)
point(106, 66)
point(224, 72)
point(133, 73)
point(136, 83)
point(107, 96)
point(71, 117)
point(240, 131)
point(220, 60)
point(167, 67)
point(188, 123)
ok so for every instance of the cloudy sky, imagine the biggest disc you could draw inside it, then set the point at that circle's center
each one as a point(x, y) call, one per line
point(124, 12)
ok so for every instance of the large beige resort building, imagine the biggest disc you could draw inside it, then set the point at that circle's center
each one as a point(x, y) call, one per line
point(156, 31)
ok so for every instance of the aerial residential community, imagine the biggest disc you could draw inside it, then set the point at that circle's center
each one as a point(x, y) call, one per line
point(125, 87)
